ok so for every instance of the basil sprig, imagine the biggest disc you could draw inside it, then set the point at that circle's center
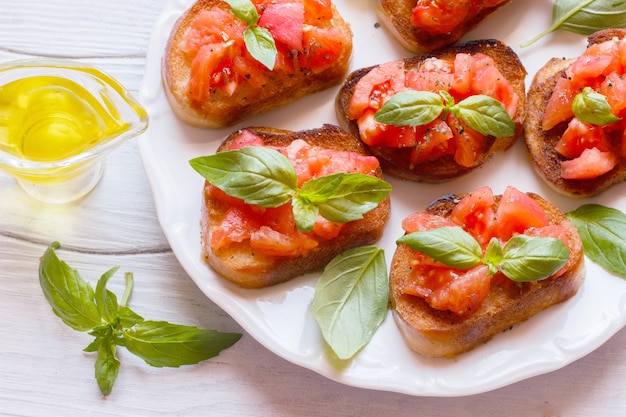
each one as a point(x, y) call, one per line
point(259, 41)
point(266, 178)
point(592, 107)
point(114, 324)
point(480, 112)
point(584, 17)
point(602, 230)
point(522, 259)
point(350, 300)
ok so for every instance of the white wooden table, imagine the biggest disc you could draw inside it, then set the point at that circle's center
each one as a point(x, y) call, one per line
point(43, 370)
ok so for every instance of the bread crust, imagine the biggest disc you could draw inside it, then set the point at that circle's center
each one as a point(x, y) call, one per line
point(396, 161)
point(438, 333)
point(546, 161)
point(395, 15)
point(241, 265)
point(223, 110)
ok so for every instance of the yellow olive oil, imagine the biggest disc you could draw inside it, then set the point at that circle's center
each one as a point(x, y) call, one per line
point(48, 118)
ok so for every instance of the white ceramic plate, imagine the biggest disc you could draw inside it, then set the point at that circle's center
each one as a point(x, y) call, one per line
point(280, 318)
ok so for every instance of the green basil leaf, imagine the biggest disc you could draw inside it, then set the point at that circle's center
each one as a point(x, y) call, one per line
point(532, 258)
point(602, 230)
point(160, 343)
point(105, 299)
point(344, 197)
point(107, 365)
point(127, 317)
point(451, 246)
point(261, 45)
point(584, 17)
point(493, 255)
point(245, 10)
point(410, 108)
point(255, 174)
point(592, 107)
point(304, 213)
point(99, 333)
point(72, 299)
point(350, 300)
point(486, 115)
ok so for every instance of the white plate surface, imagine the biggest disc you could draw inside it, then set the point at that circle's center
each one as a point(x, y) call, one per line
point(280, 318)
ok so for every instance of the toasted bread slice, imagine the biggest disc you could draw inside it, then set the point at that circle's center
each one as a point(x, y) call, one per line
point(396, 17)
point(397, 161)
point(240, 264)
point(439, 333)
point(225, 108)
point(541, 144)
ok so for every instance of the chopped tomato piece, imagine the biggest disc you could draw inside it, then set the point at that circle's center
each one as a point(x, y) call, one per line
point(559, 107)
point(236, 226)
point(580, 136)
point(587, 67)
point(476, 214)
point(269, 241)
point(590, 164)
point(321, 46)
point(203, 66)
point(439, 16)
point(429, 138)
point(459, 291)
point(517, 212)
point(462, 74)
point(245, 138)
point(390, 74)
point(469, 143)
point(326, 229)
point(614, 89)
point(429, 80)
point(424, 221)
point(284, 21)
point(317, 11)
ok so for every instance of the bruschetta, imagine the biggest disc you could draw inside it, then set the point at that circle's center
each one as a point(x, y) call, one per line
point(575, 129)
point(256, 246)
point(427, 25)
point(443, 311)
point(222, 65)
point(486, 73)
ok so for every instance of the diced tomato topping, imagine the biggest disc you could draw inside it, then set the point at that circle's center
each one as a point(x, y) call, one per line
point(463, 291)
point(463, 76)
point(273, 230)
point(591, 163)
point(305, 41)
point(590, 150)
